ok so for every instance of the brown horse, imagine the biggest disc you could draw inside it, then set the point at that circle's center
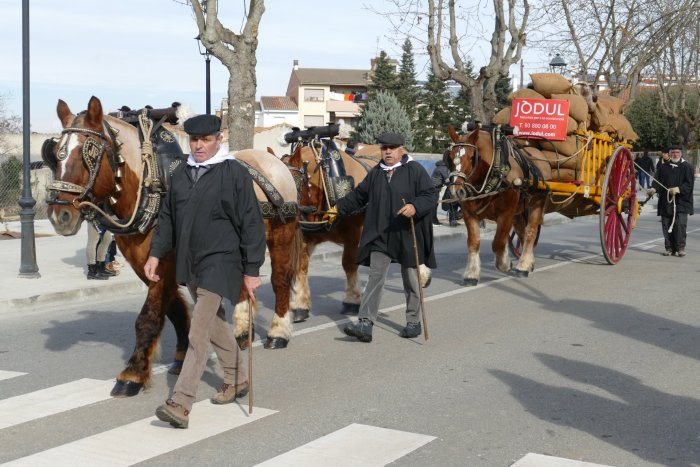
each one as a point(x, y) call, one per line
point(496, 188)
point(99, 174)
point(310, 166)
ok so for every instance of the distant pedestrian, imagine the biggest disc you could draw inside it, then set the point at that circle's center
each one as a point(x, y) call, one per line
point(646, 164)
point(441, 177)
point(674, 184)
point(96, 250)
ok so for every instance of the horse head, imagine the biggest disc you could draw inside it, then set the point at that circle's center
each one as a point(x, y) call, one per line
point(474, 151)
point(86, 166)
point(305, 168)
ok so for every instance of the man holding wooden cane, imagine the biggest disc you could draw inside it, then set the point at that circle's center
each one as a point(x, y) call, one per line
point(395, 191)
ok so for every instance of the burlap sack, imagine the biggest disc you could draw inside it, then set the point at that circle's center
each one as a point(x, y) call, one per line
point(599, 117)
point(578, 109)
point(571, 126)
point(618, 124)
point(525, 93)
point(613, 104)
point(539, 161)
point(550, 83)
point(570, 146)
point(502, 117)
point(563, 175)
point(559, 160)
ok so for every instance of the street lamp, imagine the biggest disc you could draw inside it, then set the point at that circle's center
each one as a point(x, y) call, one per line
point(207, 59)
point(28, 268)
point(557, 65)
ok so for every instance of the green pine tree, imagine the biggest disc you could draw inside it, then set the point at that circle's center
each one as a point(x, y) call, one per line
point(383, 113)
point(655, 130)
point(434, 115)
point(503, 88)
point(384, 77)
point(408, 92)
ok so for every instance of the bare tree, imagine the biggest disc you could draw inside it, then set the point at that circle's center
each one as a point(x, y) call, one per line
point(8, 124)
point(237, 53)
point(678, 81)
point(613, 39)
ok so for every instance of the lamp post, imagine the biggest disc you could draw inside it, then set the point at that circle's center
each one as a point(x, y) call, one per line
point(557, 65)
point(207, 60)
point(28, 267)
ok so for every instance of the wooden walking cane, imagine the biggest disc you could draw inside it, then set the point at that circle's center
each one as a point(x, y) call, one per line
point(420, 287)
point(250, 355)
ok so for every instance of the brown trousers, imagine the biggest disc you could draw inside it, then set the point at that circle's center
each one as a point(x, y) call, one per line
point(208, 325)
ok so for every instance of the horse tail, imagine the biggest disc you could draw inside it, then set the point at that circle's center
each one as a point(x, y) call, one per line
point(295, 254)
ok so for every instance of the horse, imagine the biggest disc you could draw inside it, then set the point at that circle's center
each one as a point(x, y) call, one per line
point(323, 174)
point(496, 188)
point(102, 173)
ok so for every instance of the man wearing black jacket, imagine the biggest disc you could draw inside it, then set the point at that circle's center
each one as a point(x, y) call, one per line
point(395, 190)
point(674, 184)
point(212, 218)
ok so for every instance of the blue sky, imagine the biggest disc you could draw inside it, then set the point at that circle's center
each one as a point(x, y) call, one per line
point(139, 52)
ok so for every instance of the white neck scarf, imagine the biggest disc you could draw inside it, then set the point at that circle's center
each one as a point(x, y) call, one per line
point(387, 168)
point(221, 155)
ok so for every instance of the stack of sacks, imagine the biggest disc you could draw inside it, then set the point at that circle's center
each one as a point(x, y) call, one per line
point(562, 158)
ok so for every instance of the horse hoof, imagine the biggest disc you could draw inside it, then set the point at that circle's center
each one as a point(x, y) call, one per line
point(470, 282)
point(276, 343)
point(519, 273)
point(299, 315)
point(242, 340)
point(175, 367)
point(126, 389)
point(350, 308)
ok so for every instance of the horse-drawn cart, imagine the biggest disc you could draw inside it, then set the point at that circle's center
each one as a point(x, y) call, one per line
point(605, 185)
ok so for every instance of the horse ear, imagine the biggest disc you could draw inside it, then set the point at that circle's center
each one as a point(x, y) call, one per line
point(94, 113)
point(453, 133)
point(64, 113)
point(295, 158)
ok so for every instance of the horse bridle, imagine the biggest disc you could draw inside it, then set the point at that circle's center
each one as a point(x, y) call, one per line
point(94, 148)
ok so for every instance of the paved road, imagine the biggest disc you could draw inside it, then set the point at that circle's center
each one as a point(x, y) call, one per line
point(580, 361)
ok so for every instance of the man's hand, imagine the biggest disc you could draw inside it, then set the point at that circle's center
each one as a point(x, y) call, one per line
point(651, 192)
point(330, 215)
point(674, 190)
point(251, 283)
point(150, 269)
point(407, 210)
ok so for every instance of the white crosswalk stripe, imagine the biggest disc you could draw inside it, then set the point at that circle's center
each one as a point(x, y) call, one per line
point(10, 374)
point(540, 460)
point(50, 401)
point(146, 438)
point(353, 445)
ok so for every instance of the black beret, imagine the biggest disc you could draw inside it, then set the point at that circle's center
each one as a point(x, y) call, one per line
point(202, 125)
point(391, 139)
point(671, 148)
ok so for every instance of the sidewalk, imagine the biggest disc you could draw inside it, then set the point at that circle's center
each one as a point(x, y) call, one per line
point(62, 266)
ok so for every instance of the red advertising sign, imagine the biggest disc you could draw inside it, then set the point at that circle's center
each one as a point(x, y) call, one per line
point(542, 118)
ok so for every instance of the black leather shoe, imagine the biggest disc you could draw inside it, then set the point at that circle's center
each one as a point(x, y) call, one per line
point(411, 330)
point(362, 330)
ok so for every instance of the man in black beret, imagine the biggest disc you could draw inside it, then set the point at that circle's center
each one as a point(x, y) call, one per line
point(211, 218)
point(674, 183)
point(395, 190)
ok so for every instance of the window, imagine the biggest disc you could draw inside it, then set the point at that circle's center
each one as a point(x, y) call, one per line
point(313, 120)
point(313, 95)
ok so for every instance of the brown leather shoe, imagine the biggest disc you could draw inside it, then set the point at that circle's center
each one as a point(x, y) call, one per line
point(229, 393)
point(173, 413)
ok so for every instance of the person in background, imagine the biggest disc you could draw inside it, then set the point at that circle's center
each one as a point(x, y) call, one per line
point(96, 248)
point(395, 190)
point(674, 184)
point(212, 219)
point(662, 160)
point(440, 177)
point(646, 164)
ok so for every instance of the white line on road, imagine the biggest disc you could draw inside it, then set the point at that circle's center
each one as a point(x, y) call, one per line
point(353, 445)
point(9, 374)
point(50, 401)
point(540, 460)
point(144, 439)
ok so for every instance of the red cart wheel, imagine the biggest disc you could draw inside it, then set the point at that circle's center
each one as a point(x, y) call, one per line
point(617, 205)
point(516, 245)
